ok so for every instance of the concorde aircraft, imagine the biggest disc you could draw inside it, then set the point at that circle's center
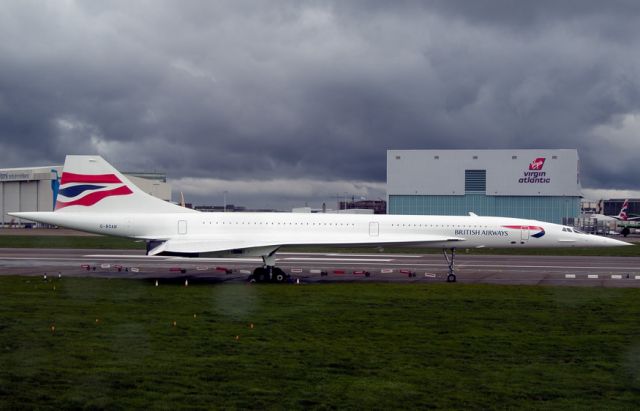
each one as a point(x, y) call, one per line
point(96, 198)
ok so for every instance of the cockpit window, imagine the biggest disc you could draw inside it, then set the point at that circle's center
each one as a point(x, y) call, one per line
point(575, 230)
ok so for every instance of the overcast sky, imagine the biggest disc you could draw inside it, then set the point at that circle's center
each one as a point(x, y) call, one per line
point(283, 103)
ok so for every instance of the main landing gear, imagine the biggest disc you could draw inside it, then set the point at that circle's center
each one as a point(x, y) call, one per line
point(451, 278)
point(268, 274)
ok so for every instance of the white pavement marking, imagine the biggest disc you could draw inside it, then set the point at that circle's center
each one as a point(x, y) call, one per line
point(616, 277)
point(592, 276)
point(386, 270)
point(569, 276)
point(371, 260)
point(375, 255)
point(315, 271)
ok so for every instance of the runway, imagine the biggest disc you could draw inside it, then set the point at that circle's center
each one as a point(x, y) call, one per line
point(328, 267)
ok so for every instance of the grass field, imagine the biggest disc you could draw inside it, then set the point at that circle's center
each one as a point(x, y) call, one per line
point(103, 242)
point(364, 346)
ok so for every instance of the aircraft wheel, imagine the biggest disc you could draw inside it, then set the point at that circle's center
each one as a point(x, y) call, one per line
point(260, 275)
point(451, 278)
point(279, 275)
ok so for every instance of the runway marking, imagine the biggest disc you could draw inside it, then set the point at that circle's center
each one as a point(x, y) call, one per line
point(375, 255)
point(569, 276)
point(637, 277)
point(616, 277)
point(592, 276)
point(336, 259)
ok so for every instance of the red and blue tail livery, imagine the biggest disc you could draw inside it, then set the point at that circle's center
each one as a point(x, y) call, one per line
point(86, 190)
point(539, 231)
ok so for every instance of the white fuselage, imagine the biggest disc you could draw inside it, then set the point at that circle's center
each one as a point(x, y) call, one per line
point(331, 229)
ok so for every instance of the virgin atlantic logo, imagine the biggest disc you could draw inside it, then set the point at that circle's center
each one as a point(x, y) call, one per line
point(535, 175)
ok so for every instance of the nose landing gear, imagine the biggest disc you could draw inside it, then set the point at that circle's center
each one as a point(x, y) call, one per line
point(451, 278)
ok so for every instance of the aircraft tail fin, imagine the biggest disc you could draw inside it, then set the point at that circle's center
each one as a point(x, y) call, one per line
point(623, 215)
point(90, 184)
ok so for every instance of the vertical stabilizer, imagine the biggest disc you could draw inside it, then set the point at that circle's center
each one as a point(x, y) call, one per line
point(90, 184)
point(623, 215)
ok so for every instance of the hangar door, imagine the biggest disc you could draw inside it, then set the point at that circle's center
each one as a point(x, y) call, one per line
point(11, 200)
point(29, 196)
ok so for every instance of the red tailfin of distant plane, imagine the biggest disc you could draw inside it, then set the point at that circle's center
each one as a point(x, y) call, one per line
point(623, 215)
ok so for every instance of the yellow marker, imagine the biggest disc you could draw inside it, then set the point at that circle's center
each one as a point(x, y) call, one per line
point(237, 337)
point(97, 321)
point(251, 325)
point(174, 323)
point(53, 328)
point(194, 316)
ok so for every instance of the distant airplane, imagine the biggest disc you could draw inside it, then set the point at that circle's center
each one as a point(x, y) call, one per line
point(96, 198)
point(623, 215)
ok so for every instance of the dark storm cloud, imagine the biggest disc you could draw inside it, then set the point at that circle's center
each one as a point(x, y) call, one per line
point(279, 91)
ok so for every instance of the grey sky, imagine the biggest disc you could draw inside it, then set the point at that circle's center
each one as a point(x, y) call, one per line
point(286, 102)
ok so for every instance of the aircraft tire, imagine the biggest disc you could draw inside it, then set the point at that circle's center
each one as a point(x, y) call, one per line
point(260, 275)
point(279, 276)
point(451, 278)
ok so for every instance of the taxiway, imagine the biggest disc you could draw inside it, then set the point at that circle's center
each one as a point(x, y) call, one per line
point(324, 267)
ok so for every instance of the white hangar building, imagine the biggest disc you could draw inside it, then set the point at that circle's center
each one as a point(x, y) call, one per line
point(31, 189)
point(538, 184)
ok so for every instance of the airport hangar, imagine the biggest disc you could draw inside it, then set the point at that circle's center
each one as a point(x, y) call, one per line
point(538, 184)
point(31, 189)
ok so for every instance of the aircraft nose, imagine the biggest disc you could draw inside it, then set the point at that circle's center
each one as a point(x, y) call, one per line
point(614, 243)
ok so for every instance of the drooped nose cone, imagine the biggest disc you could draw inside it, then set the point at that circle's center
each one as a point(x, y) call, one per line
point(609, 242)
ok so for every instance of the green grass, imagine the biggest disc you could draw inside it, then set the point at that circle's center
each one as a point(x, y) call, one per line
point(380, 346)
point(103, 242)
